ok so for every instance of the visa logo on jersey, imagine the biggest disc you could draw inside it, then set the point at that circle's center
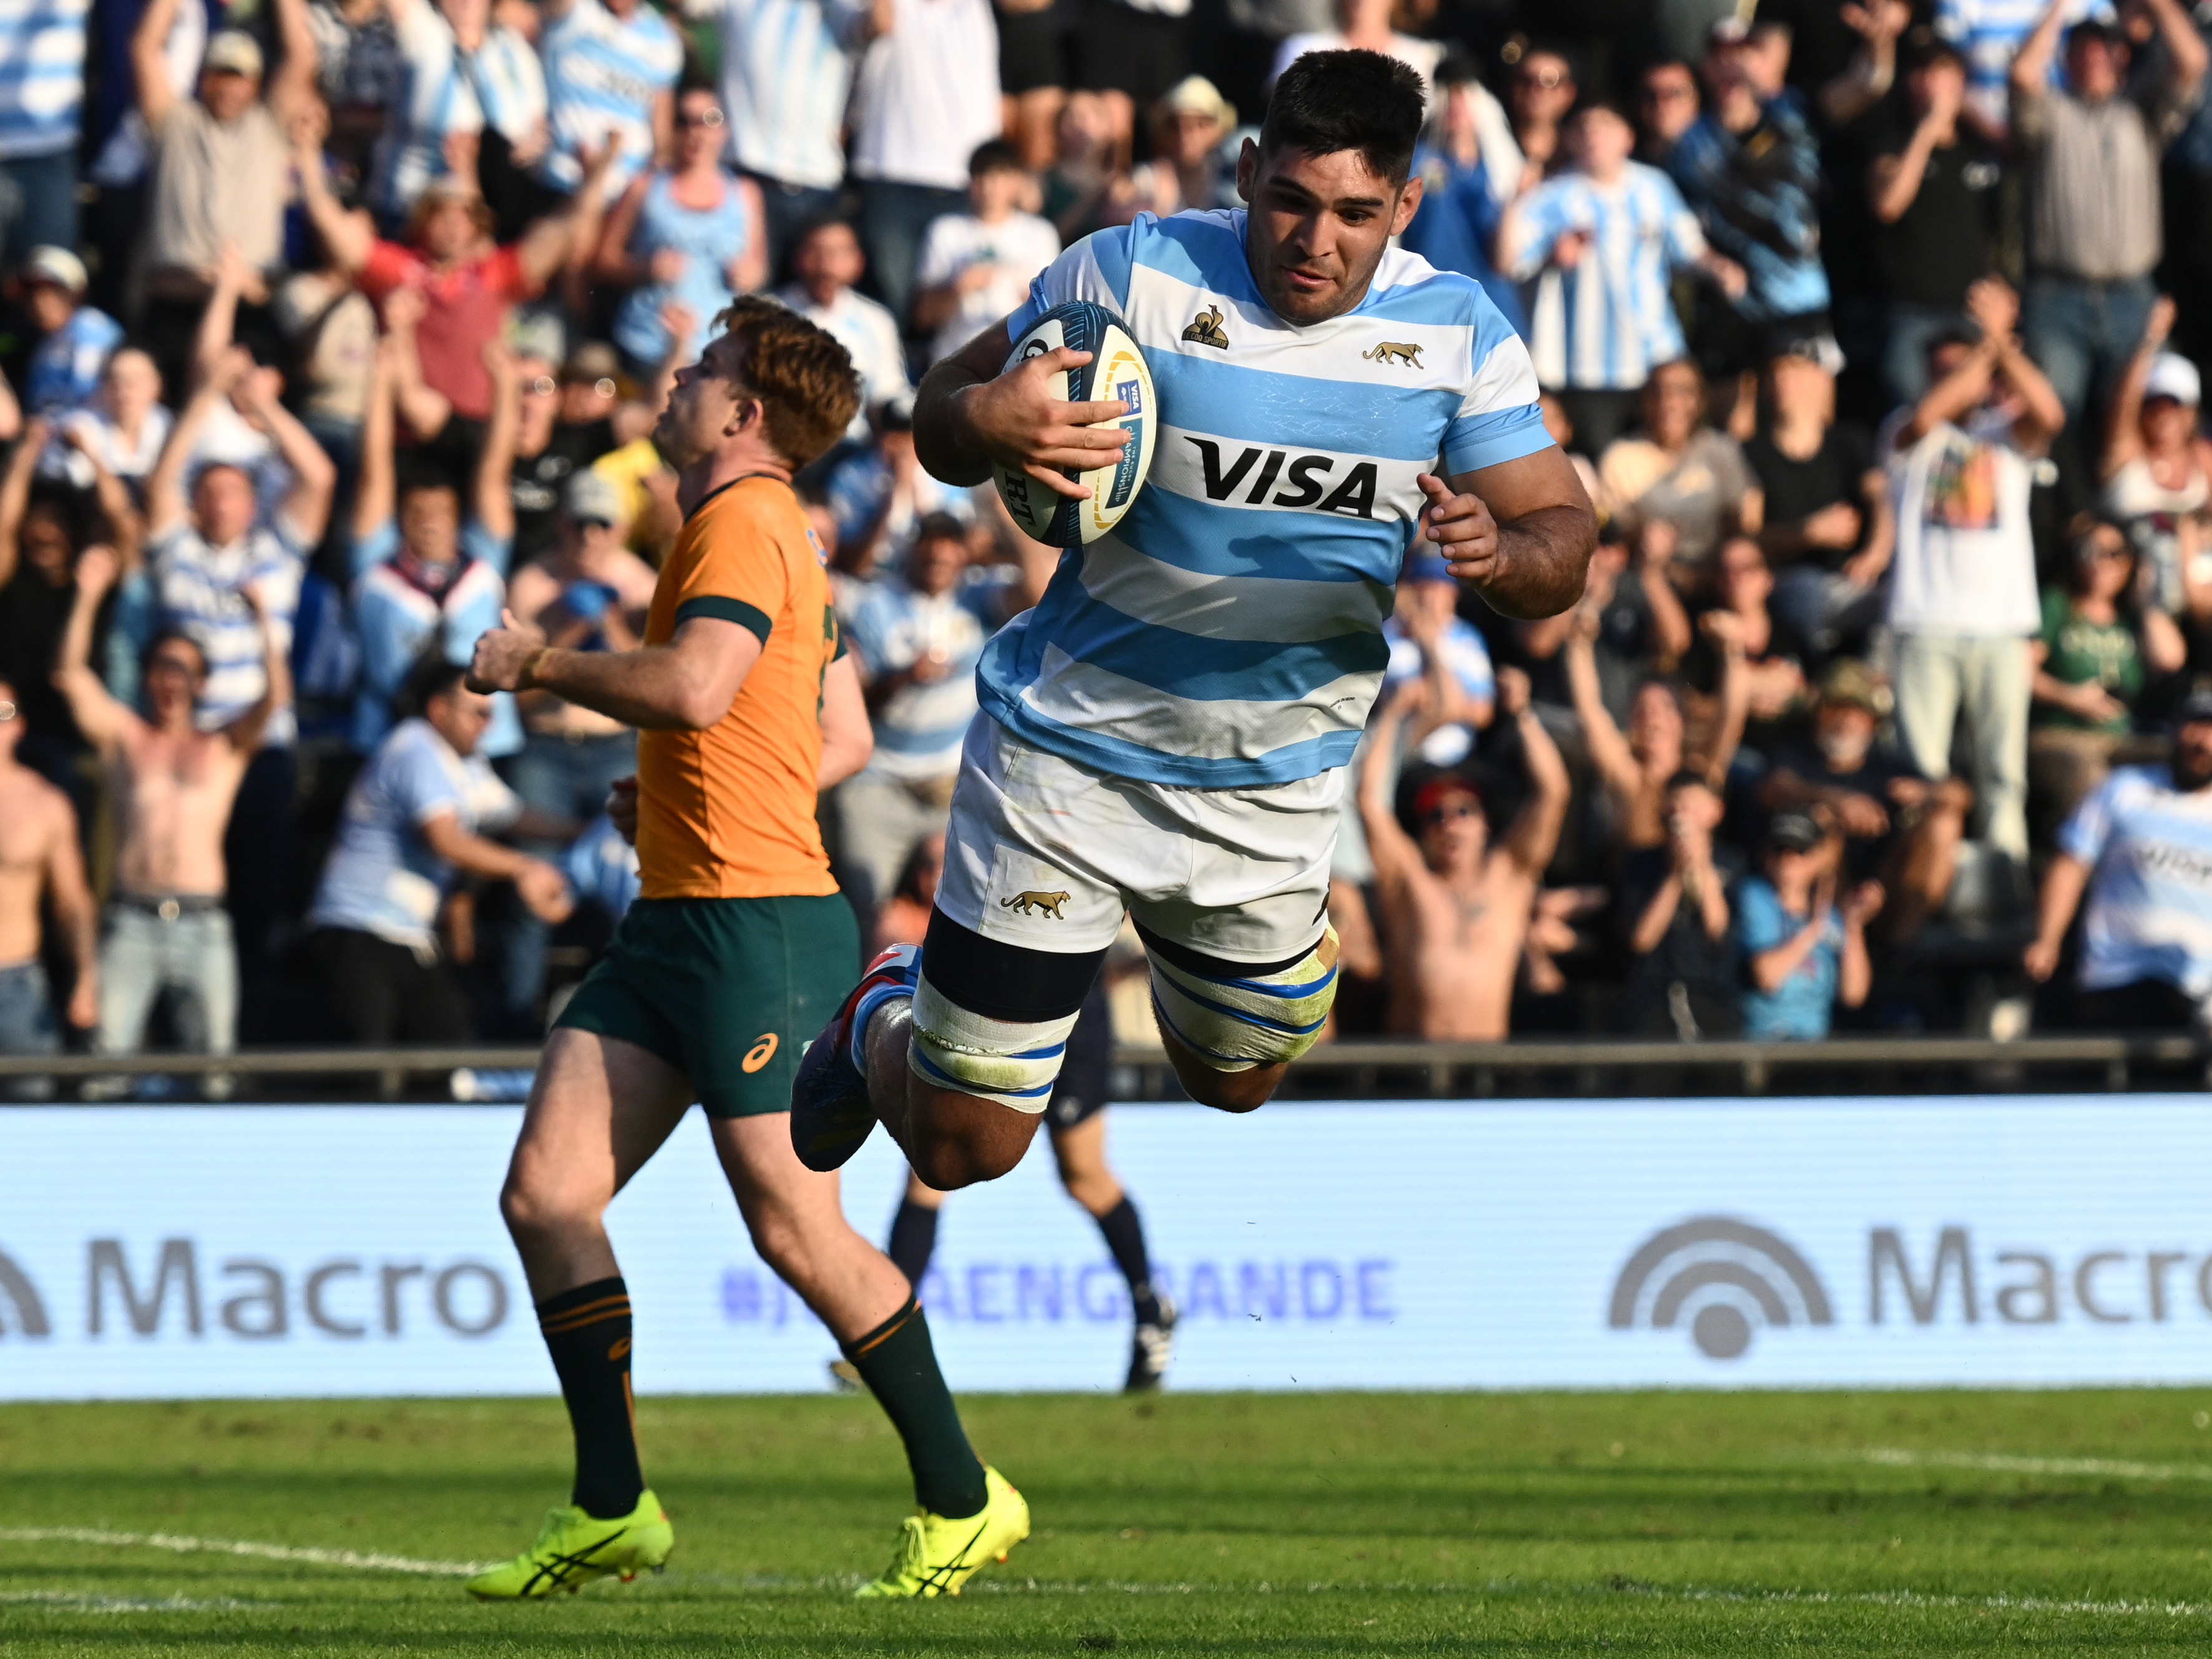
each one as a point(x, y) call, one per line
point(1309, 482)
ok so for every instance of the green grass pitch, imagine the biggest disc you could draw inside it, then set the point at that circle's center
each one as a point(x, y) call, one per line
point(1217, 1525)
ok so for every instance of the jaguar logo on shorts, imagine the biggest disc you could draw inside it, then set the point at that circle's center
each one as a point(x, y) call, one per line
point(1034, 903)
point(759, 1054)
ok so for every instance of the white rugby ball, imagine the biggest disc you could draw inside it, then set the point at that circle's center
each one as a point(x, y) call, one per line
point(1116, 371)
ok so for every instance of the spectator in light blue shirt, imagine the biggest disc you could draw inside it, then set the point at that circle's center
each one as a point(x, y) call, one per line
point(1600, 245)
point(413, 821)
point(1802, 952)
point(426, 579)
point(918, 635)
point(1428, 638)
point(41, 103)
point(67, 364)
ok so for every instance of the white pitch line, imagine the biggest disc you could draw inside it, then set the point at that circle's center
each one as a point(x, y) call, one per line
point(2007, 1463)
point(79, 1601)
point(368, 1561)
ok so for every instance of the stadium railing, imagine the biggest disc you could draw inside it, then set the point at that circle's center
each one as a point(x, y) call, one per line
point(1360, 1068)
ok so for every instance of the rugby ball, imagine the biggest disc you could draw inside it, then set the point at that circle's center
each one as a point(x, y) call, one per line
point(1116, 371)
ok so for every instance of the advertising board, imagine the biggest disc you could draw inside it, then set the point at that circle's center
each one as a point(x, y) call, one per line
point(223, 1251)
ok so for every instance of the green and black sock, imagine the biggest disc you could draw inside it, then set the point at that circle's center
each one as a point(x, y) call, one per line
point(588, 1332)
point(899, 1365)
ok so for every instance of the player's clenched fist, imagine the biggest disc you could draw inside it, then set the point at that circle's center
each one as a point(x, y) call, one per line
point(1461, 528)
point(505, 655)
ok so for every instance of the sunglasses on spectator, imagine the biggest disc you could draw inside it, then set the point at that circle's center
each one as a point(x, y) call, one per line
point(705, 117)
point(544, 386)
point(7, 711)
point(1545, 80)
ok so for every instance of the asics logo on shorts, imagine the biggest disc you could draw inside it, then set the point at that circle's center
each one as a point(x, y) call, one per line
point(760, 1054)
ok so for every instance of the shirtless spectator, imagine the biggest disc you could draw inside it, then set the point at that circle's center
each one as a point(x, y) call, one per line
point(1637, 768)
point(1456, 909)
point(1895, 824)
point(171, 786)
point(38, 861)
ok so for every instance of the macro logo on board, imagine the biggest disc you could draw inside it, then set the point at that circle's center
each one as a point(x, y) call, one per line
point(22, 1310)
point(1722, 1277)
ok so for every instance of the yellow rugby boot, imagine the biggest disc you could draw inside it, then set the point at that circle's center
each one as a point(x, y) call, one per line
point(936, 1556)
point(573, 1548)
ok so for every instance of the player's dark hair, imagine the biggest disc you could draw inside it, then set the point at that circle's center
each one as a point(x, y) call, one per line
point(433, 674)
point(994, 155)
point(1328, 101)
point(803, 377)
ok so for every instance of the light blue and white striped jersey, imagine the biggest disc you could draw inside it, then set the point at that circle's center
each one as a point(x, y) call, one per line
point(1607, 320)
point(1229, 634)
point(41, 75)
point(893, 626)
point(602, 74)
point(1989, 34)
point(197, 591)
point(443, 90)
point(397, 622)
point(2150, 897)
point(787, 73)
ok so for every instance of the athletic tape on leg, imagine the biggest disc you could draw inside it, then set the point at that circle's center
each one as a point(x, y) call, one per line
point(990, 1058)
point(1234, 1024)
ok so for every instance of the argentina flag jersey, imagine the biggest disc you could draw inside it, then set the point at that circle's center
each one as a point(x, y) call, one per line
point(1228, 635)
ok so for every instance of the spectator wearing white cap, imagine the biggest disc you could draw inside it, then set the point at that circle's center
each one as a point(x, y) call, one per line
point(41, 98)
point(1190, 171)
point(67, 362)
point(220, 166)
point(2157, 467)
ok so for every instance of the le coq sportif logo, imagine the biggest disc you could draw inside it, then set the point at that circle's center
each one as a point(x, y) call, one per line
point(1722, 1277)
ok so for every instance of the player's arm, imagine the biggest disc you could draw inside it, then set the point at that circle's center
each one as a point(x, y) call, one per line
point(685, 685)
point(968, 415)
point(1520, 531)
point(1535, 834)
point(848, 739)
point(71, 896)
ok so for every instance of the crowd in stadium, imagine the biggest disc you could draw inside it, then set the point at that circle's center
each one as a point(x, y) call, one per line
point(332, 327)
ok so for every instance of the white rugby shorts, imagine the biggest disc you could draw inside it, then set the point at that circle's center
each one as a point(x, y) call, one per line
point(1046, 855)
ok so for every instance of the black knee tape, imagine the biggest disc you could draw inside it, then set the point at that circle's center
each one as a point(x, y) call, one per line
point(998, 980)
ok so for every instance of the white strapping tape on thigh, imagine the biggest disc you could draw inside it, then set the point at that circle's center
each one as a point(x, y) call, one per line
point(1014, 1064)
point(1234, 1024)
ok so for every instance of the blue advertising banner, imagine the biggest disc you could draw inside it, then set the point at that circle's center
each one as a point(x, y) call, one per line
point(223, 1251)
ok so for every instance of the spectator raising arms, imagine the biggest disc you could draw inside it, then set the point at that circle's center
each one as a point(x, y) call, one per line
point(692, 234)
point(1456, 909)
point(463, 75)
point(220, 161)
point(2137, 846)
point(1802, 952)
point(2092, 192)
point(172, 785)
point(204, 553)
point(2157, 466)
point(427, 578)
point(40, 868)
point(1674, 902)
point(1963, 602)
point(610, 72)
point(466, 282)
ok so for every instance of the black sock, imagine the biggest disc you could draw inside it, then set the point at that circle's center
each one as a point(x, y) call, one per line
point(586, 1331)
point(897, 1363)
point(914, 1239)
point(1125, 1237)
